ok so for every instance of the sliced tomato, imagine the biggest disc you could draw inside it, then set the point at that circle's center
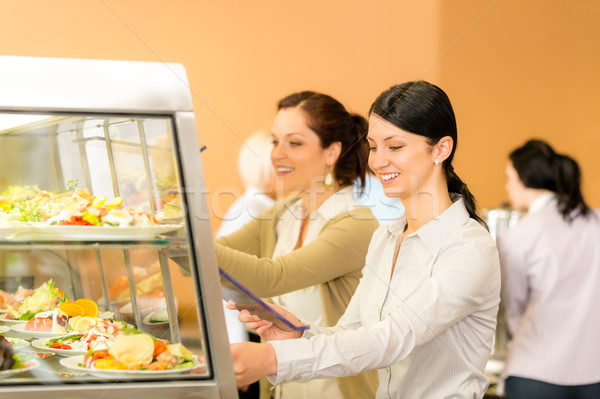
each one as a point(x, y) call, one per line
point(159, 347)
point(76, 221)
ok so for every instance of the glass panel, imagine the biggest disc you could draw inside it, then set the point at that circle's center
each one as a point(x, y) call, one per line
point(89, 206)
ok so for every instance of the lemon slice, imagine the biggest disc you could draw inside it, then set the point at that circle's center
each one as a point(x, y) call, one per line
point(84, 323)
point(115, 201)
point(98, 202)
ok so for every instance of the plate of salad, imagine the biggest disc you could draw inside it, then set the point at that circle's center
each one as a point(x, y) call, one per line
point(18, 343)
point(45, 232)
point(14, 362)
point(10, 322)
point(77, 363)
point(85, 333)
point(67, 345)
point(20, 368)
point(44, 298)
point(140, 354)
point(20, 328)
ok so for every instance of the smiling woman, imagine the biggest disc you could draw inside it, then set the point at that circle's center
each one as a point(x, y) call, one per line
point(424, 313)
point(306, 253)
point(418, 116)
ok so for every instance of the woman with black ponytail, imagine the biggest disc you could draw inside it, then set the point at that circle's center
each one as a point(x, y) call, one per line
point(424, 313)
point(551, 275)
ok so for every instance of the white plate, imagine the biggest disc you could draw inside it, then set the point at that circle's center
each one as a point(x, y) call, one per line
point(128, 309)
point(8, 321)
point(18, 343)
point(7, 218)
point(40, 343)
point(164, 320)
point(4, 329)
point(10, 373)
point(46, 232)
point(160, 215)
point(20, 328)
point(74, 361)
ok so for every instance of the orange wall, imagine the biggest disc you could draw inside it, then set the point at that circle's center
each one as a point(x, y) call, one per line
point(513, 70)
point(521, 69)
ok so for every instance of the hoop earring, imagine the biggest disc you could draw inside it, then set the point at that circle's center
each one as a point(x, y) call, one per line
point(437, 160)
point(328, 183)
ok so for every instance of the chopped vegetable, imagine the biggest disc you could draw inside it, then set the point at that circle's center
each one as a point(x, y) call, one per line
point(45, 297)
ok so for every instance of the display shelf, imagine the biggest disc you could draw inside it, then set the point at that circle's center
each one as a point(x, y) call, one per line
point(125, 133)
point(91, 244)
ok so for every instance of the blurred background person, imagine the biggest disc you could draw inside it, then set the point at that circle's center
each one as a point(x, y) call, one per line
point(551, 279)
point(258, 178)
point(307, 252)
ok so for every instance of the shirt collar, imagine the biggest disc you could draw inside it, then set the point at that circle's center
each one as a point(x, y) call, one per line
point(436, 232)
point(541, 201)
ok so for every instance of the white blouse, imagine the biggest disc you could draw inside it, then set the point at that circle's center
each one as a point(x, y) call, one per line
point(551, 292)
point(306, 303)
point(428, 329)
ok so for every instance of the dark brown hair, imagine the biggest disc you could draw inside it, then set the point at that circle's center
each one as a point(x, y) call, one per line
point(328, 118)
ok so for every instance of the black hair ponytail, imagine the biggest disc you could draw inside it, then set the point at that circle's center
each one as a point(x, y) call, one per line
point(456, 185)
point(424, 109)
point(570, 199)
point(540, 167)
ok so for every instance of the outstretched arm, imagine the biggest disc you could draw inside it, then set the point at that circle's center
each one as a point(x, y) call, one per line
point(252, 361)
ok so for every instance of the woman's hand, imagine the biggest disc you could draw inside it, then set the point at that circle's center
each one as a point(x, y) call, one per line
point(266, 329)
point(252, 361)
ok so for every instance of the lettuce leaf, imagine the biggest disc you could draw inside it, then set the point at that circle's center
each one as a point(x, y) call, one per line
point(43, 298)
point(21, 359)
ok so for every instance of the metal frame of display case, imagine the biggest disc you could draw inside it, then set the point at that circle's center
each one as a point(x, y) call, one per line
point(99, 87)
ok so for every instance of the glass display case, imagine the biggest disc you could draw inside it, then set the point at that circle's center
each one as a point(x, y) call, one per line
point(100, 187)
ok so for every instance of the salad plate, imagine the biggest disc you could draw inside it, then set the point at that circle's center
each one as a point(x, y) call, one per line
point(10, 321)
point(11, 372)
point(45, 232)
point(40, 344)
point(76, 363)
point(7, 218)
point(156, 318)
point(20, 328)
point(18, 343)
point(127, 310)
point(4, 329)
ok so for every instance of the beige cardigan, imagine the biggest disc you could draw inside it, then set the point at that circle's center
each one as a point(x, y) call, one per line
point(333, 261)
